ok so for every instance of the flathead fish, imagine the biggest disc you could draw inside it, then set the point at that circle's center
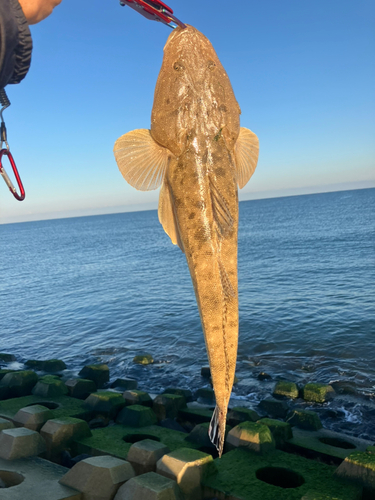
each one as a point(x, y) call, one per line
point(199, 154)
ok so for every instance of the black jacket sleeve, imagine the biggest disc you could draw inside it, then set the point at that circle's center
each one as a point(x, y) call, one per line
point(15, 43)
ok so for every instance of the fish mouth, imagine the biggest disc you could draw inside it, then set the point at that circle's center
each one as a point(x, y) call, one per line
point(176, 33)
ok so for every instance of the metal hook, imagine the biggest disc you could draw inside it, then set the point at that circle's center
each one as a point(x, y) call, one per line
point(8, 182)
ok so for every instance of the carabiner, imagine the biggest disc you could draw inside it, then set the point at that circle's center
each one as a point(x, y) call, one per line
point(155, 10)
point(8, 182)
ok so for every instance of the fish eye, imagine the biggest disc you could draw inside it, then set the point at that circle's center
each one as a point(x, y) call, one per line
point(178, 66)
point(211, 65)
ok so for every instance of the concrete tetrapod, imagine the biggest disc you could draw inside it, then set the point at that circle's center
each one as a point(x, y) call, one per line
point(20, 443)
point(149, 486)
point(98, 478)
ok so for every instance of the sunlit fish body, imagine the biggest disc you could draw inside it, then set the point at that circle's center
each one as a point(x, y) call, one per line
point(198, 153)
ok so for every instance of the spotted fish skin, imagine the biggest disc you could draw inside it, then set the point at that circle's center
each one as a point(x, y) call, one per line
point(198, 152)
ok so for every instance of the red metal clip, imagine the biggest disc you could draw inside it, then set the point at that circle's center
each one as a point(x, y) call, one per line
point(154, 10)
point(8, 182)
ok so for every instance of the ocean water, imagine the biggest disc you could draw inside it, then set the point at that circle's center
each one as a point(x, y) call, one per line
point(105, 288)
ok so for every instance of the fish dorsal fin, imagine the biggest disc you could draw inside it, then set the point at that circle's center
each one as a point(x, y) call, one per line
point(225, 282)
point(167, 216)
point(141, 160)
point(221, 212)
point(246, 153)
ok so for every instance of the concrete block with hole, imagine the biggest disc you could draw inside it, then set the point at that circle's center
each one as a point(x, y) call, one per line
point(59, 432)
point(80, 388)
point(324, 444)
point(255, 437)
point(135, 397)
point(20, 443)
point(105, 403)
point(168, 405)
point(98, 478)
point(97, 373)
point(359, 467)
point(188, 468)
point(144, 454)
point(18, 384)
point(149, 486)
point(34, 479)
point(32, 417)
point(136, 416)
point(5, 424)
point(49, 386)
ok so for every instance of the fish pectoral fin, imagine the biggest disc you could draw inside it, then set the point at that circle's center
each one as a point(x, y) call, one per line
point(167, 216)
point(221, 212)
point(246, 154)
point(141, 160)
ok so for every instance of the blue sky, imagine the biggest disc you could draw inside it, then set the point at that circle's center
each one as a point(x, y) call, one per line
point(303, 74)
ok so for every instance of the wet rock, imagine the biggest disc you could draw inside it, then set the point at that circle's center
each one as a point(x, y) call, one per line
point(240, 414)
point(20, 443)
point(98, 478)
point(187, 467)
point(144, 455)
point(286, 389)
point(7, 358)
point(48, 365)
point(19, 383)
point(255, 437)
point(168, 405)
point(137, 398)
point(206, 372)
point(32, 417)
point(143, 359)
point(50, 386)
point(124, 384)
point(317, 393)
point(344, 387)
point(274, 408)
point(97, 373)
point(264, 376)
point(80, 388)
point(180, 392)
point(149, 486)
point(205, 396)
point(136, 416)
point(105, 403)
point(305, 419)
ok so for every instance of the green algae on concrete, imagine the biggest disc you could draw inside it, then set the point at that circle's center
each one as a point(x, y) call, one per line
point(255, 437)
point(274, 408)
point(62, 406)
point(143, 359)
point(136, 397)
point(180, 392)
point(207, 396)
point(305, 419)
point(7, 358)
point(49, 386)
point(240, 414)
point(317, 393)
point(116, 440)
point(137, 416)
point(168, 405)
point(48, 365)
point(104, 403)
point(286, 389)
point(19, 383)
point(370, 449)
point(360, 468)
point(281, 431)
point(97, 373)
point(199, 435)
point(194, 415)
point(238, 470)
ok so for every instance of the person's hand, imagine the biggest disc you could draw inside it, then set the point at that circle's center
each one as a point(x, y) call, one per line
point(37, 10)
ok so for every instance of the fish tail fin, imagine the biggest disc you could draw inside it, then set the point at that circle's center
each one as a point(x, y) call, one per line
point(216, 431)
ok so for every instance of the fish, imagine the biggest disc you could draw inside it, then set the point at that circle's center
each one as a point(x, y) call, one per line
point(199, 155)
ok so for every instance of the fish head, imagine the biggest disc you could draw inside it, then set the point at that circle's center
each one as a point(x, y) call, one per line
point(193, 95)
